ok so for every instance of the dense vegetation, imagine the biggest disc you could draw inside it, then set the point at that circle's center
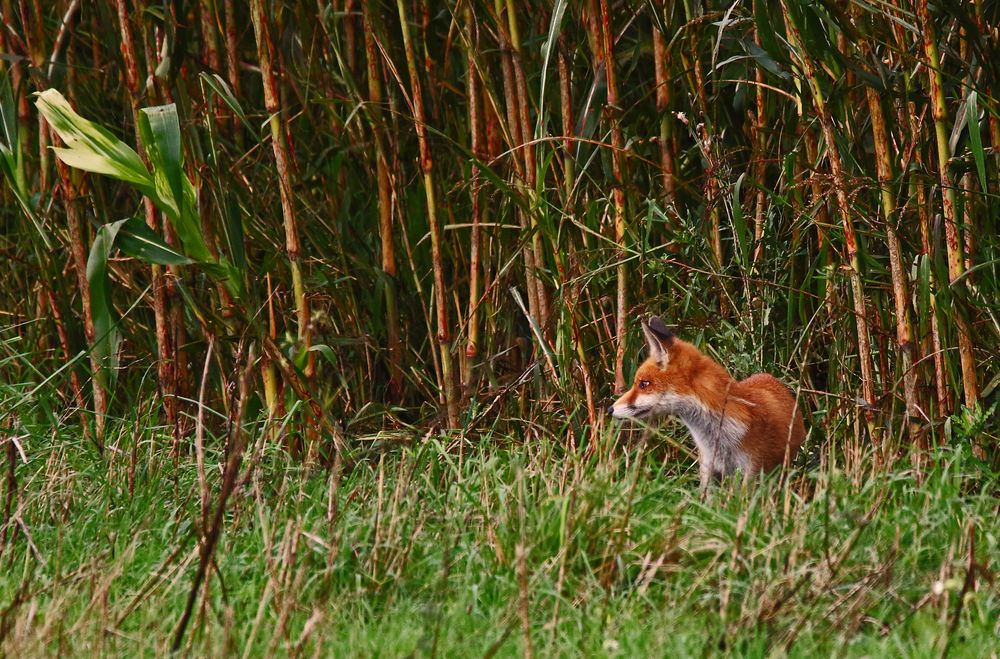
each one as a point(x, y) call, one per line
point(311, 310)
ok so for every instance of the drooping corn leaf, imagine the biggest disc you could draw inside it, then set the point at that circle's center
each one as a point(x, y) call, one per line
point(137, 240)
point(90, 147)
point(106, 335)
point(160, 130)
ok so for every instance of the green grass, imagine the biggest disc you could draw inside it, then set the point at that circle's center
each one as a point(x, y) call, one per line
point(422, 554)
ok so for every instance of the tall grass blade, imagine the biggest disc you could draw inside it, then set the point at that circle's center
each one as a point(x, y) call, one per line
point(106, 335)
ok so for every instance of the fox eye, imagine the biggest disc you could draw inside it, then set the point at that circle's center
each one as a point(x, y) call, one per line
point(643, 384)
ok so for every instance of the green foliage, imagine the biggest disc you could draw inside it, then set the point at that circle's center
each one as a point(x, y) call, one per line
point(93, 148)
point(106, 336)
point(421, 555)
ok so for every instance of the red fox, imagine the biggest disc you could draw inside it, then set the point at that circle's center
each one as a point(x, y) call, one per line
point(748, 425)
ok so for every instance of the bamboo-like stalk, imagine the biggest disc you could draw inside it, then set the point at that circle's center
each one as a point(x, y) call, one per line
point(165, 348)
point(912, 120)
point(476, 144)
point(69, 188)
point(209, 35)
point(282, 162)
point(900, 284)
point(350, 32)
point(572, 300)
point(395, 347)
point(426, 166)
point(17, 72)
point(527, 151)
point(758, 160)
point(662, 77)
point(822, 219)
point(33, 32)
point(617, 193)
point(232, 62)
point(919, 192)
point(566, 109)
point(74, 378)
point(706, 142)
point(78, 251)
point(847, 223)
point(268, 375)
point(952, 220)
point(517, 138)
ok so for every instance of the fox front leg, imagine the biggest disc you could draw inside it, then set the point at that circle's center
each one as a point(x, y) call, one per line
point(705, 474)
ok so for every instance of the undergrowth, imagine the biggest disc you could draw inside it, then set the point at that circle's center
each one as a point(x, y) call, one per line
point(484, 545)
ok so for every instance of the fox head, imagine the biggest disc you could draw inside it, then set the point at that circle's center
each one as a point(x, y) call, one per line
point(660, 381)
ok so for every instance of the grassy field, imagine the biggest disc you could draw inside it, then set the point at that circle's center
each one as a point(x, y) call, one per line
point(496, 547)
point(310, 313)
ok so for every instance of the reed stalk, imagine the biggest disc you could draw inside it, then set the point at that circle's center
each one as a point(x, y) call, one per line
point(282, 161)
point(476, 146)
point(900, 283)
point(605, 38)
point(166, 354)
point(394, 344)
point(949, 206)
point(447, 383)
point(853, 262)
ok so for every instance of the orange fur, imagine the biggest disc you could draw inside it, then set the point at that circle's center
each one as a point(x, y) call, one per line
point(757, 419)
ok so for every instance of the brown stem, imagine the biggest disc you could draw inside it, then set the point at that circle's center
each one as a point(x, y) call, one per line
point(566, 107)
point(282, 162)
point(165, 363)
point(530, 169)
point(476, 139)
point(847, 223)
point(395, 347)
point(426, 165)
point(517, 138)
point(617, 190)
point(900, 284)
point(661, 61)
point(758, 159)
point(952, 219)
point(78, 251)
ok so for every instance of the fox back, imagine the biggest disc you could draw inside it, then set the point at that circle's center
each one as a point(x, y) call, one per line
point(751, 425)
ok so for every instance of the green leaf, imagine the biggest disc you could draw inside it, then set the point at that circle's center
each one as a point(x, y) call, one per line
point(765, 30)
point(8, 114)
point(161, 136)
point(12, 158)
point(90, 147)
point(137, 240)
point(106, 335)
point(160, 130)
point(326, 352)
point(222, 90)
point(764, 59)
point(555, 26)
point(739, 225)
point(975, 139)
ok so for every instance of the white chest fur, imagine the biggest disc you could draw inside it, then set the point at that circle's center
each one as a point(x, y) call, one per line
point(717, 436)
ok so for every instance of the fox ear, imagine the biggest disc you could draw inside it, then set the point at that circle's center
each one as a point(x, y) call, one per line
point(658, 339)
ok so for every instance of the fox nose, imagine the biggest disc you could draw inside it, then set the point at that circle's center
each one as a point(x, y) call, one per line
point(611, 409)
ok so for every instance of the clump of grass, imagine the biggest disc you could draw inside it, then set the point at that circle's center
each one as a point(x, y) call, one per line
point(606, 552)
